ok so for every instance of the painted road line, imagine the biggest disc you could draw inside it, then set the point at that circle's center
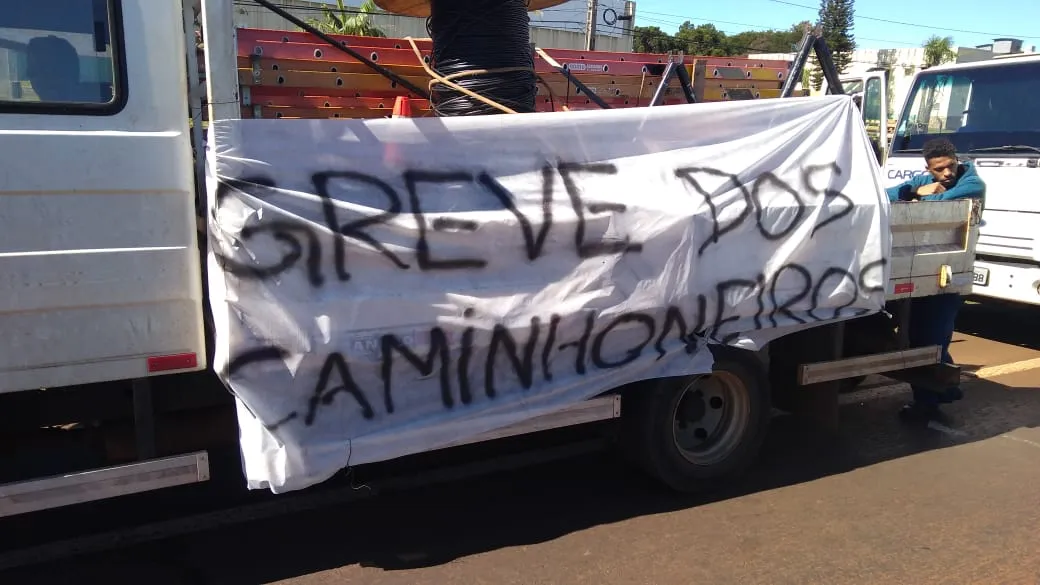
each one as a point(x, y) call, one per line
point(1021, 440)
point(1005, 369)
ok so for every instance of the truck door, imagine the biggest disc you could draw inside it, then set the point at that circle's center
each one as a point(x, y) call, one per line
point(875, 112)
point(99, 261)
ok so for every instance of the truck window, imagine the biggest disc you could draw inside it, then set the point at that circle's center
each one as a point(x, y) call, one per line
point(974, 108)
point(872, 102)
point(60, 56)
point(852, 86)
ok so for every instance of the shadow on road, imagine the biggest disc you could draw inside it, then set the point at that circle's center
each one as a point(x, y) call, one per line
point(1003, 322)
point(434, 526)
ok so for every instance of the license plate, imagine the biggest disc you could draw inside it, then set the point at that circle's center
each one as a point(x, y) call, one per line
point(980, 277)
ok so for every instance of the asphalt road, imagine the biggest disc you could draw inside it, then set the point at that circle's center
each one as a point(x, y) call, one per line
point(878, 502)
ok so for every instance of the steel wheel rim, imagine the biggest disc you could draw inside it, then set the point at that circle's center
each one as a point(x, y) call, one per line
point(710, 417)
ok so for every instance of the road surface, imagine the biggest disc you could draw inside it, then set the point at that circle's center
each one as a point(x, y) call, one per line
point(879, 502)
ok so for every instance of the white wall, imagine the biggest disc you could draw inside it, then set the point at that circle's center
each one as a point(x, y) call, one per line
point(559, 36)
point(571, 16)
point(548, 38)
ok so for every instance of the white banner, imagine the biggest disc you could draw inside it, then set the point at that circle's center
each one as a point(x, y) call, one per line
point(386, 287)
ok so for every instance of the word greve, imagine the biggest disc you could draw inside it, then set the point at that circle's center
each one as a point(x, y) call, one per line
point(303, 245)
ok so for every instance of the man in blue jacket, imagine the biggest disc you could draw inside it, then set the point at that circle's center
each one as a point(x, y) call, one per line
point(932, 318)
point(947, 178)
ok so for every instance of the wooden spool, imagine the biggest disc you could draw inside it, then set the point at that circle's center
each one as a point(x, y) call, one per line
point(422, 7)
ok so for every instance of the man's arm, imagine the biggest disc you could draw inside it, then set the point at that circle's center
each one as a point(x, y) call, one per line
point(969, 187)
point(901, 192)
point(907, 190)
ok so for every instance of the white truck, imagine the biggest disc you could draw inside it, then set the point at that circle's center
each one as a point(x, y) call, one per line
point(871, 92)
point(106, 341)
point(987, 109)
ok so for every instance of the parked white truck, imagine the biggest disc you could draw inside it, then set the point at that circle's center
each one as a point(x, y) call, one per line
point(988, 109)
point(871, 92)
point(130, 301)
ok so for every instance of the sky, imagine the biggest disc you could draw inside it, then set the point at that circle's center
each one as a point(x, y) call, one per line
point(880, 24)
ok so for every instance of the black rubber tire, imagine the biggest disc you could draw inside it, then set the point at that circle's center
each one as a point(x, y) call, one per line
point(647, 414)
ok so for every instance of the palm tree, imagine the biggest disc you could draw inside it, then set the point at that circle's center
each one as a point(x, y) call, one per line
point(938, 50)
point(343, 20)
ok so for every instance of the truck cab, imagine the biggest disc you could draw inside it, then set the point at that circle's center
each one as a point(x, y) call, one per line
point(870, 92)
point(990, 110)
point(99, 256)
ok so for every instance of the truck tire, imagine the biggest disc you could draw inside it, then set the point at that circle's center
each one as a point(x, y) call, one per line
point(695, 433)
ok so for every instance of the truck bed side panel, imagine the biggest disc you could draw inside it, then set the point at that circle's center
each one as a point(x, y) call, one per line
point(926, 237)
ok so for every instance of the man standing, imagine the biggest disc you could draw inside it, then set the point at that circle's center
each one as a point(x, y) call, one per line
point(932, 318)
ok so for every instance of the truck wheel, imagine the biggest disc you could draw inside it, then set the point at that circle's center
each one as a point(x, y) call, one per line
point(696, 432)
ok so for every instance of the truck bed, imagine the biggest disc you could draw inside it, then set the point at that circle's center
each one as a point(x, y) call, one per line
point(933, 247)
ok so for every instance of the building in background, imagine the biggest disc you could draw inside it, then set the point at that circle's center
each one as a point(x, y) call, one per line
point(1006, 47)
point(558, 27)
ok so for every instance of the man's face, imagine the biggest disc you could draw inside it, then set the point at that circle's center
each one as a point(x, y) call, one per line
point(943, 169)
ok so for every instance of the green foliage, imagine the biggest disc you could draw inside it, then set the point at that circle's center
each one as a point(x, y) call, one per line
point(836, 21)
point(705, 39)
point(938, 50)
point(343, 20)
point(651, 39)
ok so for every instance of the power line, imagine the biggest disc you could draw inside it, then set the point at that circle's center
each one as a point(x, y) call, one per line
point(914, 24)
point(354, 11)
point(684, 17)
point(785, 2)
point(621, 30)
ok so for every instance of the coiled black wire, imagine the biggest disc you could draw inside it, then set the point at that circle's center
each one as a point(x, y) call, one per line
point(481, 34)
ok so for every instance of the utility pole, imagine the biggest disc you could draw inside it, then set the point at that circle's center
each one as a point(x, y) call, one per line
point(590, 25)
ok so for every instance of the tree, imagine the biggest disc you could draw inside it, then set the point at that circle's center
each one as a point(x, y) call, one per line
point(651, 39)
point(343, 20)
point(706, 40)
point(836, 21)
point(938, 50)
point(769, 41)
point(703, 39)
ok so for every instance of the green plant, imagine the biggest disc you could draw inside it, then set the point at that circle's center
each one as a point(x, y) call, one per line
point(938, 50)
point(343, 20)
point(836, 22)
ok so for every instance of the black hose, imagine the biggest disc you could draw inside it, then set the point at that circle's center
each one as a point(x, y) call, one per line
point(482, 34)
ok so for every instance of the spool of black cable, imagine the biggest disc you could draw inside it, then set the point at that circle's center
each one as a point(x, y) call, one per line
point(489, 36)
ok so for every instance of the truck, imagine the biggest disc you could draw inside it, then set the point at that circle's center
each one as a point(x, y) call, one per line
point(982, 107)
point(114, 365)
point(872, 92)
